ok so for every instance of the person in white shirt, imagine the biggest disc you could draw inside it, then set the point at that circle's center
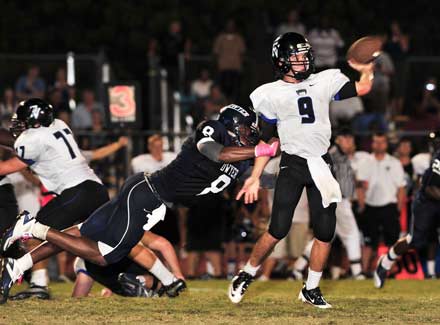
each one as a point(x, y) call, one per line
point(155, 160)
point(297, 107)
point(383, 180)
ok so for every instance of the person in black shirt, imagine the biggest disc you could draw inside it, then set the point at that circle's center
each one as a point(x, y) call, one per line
point(209, 162)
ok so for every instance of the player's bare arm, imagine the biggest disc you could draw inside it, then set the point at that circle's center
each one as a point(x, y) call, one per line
point(11, 166)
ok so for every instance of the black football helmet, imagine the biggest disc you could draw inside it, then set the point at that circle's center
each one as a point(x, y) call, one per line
point(241, 123)
point(284, 47)
point(31, 113)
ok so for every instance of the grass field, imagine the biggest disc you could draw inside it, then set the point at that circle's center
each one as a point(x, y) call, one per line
point(273, 302)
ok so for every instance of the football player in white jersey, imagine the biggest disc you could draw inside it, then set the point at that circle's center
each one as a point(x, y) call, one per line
point(47, 146)
point(297, 106)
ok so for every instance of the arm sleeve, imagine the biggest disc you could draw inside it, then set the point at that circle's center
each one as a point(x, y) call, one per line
point(28, 149)
point(347, 91)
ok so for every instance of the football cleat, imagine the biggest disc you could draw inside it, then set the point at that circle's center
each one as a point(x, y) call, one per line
point(132, 286)
point(380, 274)
point(10, 273)
point(239, 285)
point(34, 290)
point(20, 230)
point(313, 297)
point(172, 290)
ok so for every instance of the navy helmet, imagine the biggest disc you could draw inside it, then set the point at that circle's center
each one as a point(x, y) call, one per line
point(241, 123)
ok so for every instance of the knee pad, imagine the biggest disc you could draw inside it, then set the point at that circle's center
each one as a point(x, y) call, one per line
point(325, 235)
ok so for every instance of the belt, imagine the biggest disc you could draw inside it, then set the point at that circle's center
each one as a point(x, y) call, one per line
point(153, 189)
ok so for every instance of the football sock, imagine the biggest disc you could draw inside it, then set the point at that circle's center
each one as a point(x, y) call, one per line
point(430, 265)
point(40, 278)
point(39, 231)
point(388, 260)
point(162, 273)
point(313, 279)
point(252, 270)
point(25, 262)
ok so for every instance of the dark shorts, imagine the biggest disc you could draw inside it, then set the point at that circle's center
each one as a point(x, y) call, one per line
point(108, 275)
point(8, 207)
point(378, 222)
point(73, 205)
point(294, 175)
point(119, 225)
point(425, 221)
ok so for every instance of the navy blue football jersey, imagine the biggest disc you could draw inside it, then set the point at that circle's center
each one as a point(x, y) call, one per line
point(431, 177)
point(192, 176)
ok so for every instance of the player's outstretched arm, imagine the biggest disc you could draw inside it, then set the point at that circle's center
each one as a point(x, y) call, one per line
point(219, 153)
point(11, 166)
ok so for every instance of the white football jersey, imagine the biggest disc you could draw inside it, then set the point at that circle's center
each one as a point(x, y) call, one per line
point(52, 153)
point(301, 111)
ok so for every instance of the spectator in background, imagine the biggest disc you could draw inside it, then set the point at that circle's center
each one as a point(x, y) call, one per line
point(60, 85)
point(82, 115)
point(397, 46)
point(156, 158)
point(30, 85)
point(214, 102)
point(383, 182)
point(229, 48)
point(201, 87)
point(57, 102)
point(326, 42)
point(7, 107)
point(173, 44)
point(293, 24)
point(343, 112)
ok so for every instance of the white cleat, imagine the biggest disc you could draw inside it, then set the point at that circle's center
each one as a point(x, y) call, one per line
point(21, 230)
point(313, 297)
point(239, 285)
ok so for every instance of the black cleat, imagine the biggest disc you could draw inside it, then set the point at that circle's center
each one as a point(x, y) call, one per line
point(239, 285)
point(132, 287)
point(39, 292)
point(313, 297)
point(172, 290)
point(380, 274)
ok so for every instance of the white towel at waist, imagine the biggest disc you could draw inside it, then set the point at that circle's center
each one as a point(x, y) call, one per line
point(324, 181)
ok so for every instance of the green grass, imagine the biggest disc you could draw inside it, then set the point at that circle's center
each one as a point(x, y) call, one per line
point(273, 302)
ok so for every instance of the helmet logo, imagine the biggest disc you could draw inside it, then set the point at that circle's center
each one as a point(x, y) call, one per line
point(35, 111)
point(237, 108)
point(276, 46)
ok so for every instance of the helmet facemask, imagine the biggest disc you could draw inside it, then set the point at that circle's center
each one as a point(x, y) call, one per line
point(17, 126)
point(247, 135)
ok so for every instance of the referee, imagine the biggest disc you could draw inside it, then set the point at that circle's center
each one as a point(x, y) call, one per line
point(383, 182)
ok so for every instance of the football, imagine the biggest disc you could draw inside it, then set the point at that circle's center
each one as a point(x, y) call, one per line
point(365, 49)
